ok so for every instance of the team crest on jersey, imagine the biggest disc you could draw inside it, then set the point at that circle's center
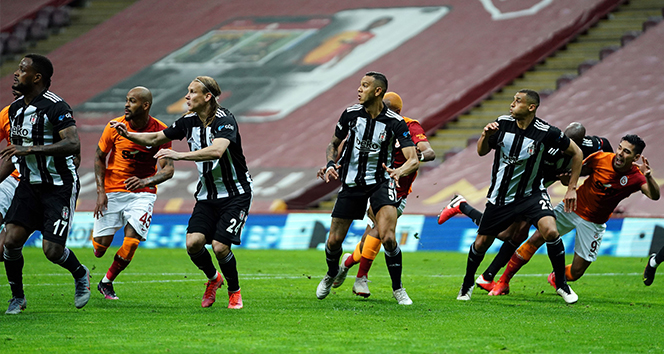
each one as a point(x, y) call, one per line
point(531, 149)
point(65, 213)
point(242, 214)
point(33, 119)
point(382, 136)
point(623, 180)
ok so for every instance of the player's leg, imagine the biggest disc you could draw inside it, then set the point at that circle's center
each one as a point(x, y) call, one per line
point(519, 258)
point(586, 246)
point(651, 267)
point(350, 205)
point(512, 238)
point(59, 203)
point(386, 222)
point(15, 238)
point(349, 260)
point(556, 251)
point(233, 216)
point(495, 220)
point(7, 189)
point(202, 222)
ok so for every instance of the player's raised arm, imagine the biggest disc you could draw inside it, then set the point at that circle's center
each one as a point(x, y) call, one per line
point(483, 147)
point(651, 188)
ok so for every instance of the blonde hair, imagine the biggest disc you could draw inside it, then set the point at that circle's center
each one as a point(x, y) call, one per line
point(210, 85)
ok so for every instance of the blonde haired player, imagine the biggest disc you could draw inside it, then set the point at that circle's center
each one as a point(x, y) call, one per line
point(126, 188)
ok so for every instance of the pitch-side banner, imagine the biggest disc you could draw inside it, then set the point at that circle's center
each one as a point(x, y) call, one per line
point(630, 237)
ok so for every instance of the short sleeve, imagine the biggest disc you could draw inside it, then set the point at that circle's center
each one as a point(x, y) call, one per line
point(177, 130)
point(403, 134)
point(341, 130)
point(61, 116)
point(416, 132)
point(556, 138)
point(226, 129)
point(106, 141)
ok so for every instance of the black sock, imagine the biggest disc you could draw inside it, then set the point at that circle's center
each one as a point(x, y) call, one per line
point(14, 262)
point(228, 267)
point(659, 258)
point(474, 260)
point(501, 259)
point(394, 266)
point(556, 251)
point(471, 212)
point(203, 261)
point(332, 259)
point(69, 262)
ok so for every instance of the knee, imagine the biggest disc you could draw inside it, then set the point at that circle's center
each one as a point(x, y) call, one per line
point(194, 244)
point(549, 234)
point(53, 254)
point(220, 250)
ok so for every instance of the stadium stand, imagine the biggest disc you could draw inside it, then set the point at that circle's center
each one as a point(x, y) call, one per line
point(620, 95)
point(439, 76)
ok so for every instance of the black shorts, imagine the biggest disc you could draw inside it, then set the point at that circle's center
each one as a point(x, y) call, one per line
point(221, 219)
point(44, 207)
point(352, 201)
point(499, 218)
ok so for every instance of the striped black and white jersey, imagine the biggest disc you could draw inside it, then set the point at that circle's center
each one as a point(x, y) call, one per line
point(369, 144)
point(517, 171)
point(222, 178)
point(40, 123)
point(555, 162)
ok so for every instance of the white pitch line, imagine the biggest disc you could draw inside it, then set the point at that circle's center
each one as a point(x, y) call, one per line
point(263, 276)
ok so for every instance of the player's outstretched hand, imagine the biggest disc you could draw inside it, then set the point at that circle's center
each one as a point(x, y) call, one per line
point(490, 129)
point(394, 173)
point(169, 153)
point(644, 167)
point(332, 172)
point(13, 150)
point(120, 127)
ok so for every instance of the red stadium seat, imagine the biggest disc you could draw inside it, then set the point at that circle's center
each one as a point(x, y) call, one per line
point(586, 65)
point(564, 80)
point(606, 51)
point(628, 37)
point(651, 22)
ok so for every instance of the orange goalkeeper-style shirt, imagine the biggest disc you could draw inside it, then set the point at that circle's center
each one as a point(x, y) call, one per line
point(5, 129)
point(127, 159)
point(601, 192)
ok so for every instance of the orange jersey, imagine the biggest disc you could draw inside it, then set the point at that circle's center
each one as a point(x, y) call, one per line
point(5, 128)
point(417, 134)
point(127, 159)
point(601, 192)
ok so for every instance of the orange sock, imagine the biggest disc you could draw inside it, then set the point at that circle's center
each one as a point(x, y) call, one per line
point(357, 254)
point(568, 273)
point(99, 248)
point(526, 251)
point(129, 246)
point(371, 247)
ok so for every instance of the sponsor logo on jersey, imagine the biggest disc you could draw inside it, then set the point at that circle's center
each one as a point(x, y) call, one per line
point(366, 145)
point(227, 126)
point(62, 117)
point(18, 131)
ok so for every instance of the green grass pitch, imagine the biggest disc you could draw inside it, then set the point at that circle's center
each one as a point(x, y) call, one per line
point(160, 293)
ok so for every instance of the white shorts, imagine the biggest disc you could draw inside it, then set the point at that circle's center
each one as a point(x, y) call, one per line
point(588, 234)
point(7, 188)
point(123, 208)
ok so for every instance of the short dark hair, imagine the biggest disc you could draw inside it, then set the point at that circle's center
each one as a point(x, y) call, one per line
point(635, 140)
point(43, 66)
point(532, 96)
point(381, 80)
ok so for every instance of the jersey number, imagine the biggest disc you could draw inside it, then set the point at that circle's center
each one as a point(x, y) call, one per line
point(57, 224)
point(146, 219)
point(546, 205)
point(235, 226)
